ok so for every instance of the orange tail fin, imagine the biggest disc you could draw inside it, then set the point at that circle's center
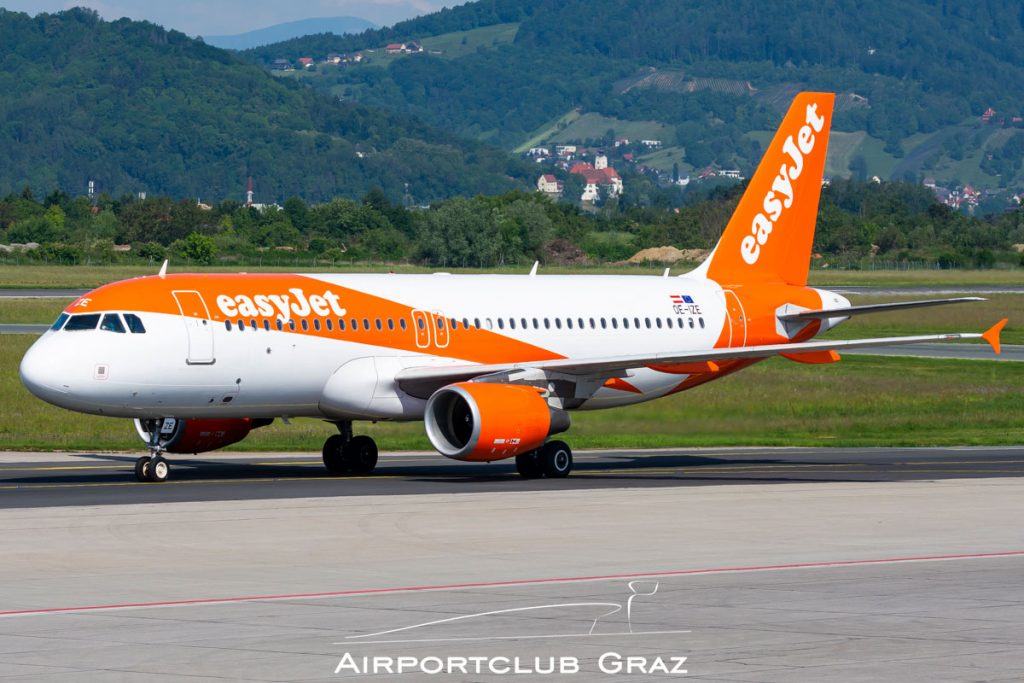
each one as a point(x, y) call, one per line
point(769, 237)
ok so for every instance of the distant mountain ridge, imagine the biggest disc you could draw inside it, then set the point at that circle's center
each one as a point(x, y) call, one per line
point(931, 88)
point(137, 108)
point(291, 29)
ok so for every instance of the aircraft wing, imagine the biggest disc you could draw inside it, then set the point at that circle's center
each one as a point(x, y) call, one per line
point(420, 381)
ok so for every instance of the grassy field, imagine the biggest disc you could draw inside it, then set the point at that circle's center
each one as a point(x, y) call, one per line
point(860, 401)
point(87, 277)
point(594, 126)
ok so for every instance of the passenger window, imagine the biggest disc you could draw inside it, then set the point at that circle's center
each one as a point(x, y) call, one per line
point(440, 323)
point(291, 324)
point(701, 321)
point(568, 323)
point(241, 325)
point(401, 323)
point(134, 323)
point(355, 324)
point(330, 324)
point(647, 321)
point(489, 323)
point(558, 323)
point(536, 324)
point(316, 324)
point(657, 321)
point(305, 325)
point(78, 323)
point(391, 323)
point(266, 324)
point(379, 324)
point(592, 325)
point(476, 323)
point(279, 324)
point(580, 321)
point(604, 324)
point(501, 323)
point(227, 325)
point(465, 323)
point(59, 322)
point(112, 323)
point(668, 323)
point(366, 323)
point(252, 324)
point(455, 324)
point(615, 323)
point(636, 323)
point(691, 323)
point(625, 323)
point(523, 322)
point(512, 323)
point(547, 324)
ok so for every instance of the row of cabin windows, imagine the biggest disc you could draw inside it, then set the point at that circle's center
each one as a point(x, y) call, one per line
point(109, 322)
point(488, 323)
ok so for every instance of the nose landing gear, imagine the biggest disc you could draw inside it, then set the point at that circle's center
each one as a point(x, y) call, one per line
point(344, 453)
point(153, 467)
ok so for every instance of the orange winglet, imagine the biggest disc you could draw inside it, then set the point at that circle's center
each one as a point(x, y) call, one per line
point(813, 357)
point(696, 368)
point(621, 385)
point(991, 335)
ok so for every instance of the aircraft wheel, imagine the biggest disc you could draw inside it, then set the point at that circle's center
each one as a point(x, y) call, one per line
point(556, 459)
point(528, 465)
point(142, 468)
point(159, 470)
point(334, 459)
point(360, 454)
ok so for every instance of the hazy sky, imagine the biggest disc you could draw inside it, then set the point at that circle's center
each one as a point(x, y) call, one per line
point(226, 17)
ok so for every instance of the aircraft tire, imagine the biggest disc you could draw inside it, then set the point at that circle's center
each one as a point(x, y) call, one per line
point(556, 459)
point(334, 458)
point(528, 465)
point(142, 468)
point(159, 470)
point(360, 454)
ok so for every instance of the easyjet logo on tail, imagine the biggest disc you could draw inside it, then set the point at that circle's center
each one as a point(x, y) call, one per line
point(780, 197)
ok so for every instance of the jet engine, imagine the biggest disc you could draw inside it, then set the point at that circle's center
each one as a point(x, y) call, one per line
point(200, 435)
point(482, 422)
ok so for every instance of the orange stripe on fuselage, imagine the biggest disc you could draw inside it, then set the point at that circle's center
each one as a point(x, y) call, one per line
point(262, 296)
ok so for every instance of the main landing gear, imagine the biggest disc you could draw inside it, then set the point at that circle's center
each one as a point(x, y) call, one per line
point(553, 460)
point(344, 453)
point(153, 467)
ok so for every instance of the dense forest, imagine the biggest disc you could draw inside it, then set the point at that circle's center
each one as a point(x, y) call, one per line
point(136, 108)
point(920, 68)
point(858, 223)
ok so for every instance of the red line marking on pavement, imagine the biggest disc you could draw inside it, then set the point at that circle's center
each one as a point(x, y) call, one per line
point(498, 584)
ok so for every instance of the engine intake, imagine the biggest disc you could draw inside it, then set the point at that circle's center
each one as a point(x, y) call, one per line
point(482, 422)
point(201, 435)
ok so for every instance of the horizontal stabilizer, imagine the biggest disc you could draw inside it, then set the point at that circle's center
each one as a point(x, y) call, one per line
point(872, 308)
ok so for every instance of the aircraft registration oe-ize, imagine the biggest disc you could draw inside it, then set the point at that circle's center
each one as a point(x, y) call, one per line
point(493, 364)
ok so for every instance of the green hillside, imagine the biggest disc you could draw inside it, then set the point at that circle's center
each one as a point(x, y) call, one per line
point(922, 72)
point(136, 108)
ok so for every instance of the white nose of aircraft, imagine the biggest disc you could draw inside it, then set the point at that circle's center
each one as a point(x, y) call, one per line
point(41, 373)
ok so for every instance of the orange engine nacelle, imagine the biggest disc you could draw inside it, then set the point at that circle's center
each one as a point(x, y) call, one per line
point(199, 436)
point(481, 421)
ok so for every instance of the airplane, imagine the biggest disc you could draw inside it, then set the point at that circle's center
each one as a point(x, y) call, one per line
point(492, 364)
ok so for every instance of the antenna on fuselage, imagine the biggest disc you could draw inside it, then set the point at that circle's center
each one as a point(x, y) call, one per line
point(533, 271)
point(163, 270)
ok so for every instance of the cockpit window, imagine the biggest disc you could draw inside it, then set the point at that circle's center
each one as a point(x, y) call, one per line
point(82, 322)
point(59, 322)
point(134, 323)
point(112, 323)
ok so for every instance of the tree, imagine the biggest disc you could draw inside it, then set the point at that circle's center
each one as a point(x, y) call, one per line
point(196, 247)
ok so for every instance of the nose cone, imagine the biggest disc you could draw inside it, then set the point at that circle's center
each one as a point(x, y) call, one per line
point(40, 373)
